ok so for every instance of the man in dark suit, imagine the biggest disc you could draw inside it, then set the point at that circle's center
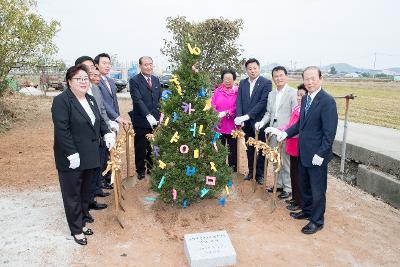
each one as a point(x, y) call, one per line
point(108, 88)
point(316, 129)
point(109, 92)
point(145, 90)
point(251, 104)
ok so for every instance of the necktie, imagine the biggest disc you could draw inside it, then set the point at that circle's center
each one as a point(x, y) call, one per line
point(308, 103)
point(108, 86)
point(149, 82)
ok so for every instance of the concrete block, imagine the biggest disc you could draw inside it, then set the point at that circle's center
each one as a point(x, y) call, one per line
point(209, 249)
point(380, 184)
point(371, 158)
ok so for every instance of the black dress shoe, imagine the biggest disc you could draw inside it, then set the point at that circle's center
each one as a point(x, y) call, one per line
point(82, 241)
point(290, 201)
point(97, 206)
point(102, 194)
point(284, 195)
point(293, 207)
point(88, 231)
point(88, 218)
point(107, 186)
point(260, 180)
point(311, 228)
point(271, 189)
point(248, 177)
point(299, 216)
point(141, 176)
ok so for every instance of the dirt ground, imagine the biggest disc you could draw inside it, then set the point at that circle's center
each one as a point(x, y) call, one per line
point(360, 230)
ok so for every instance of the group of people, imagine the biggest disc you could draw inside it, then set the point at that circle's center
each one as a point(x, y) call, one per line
point(304, 120)
point(86, 119)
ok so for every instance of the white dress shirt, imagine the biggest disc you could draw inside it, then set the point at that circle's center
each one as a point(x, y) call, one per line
point(252, 84)
point(279, 94)
point(86, 106)
point(313, 94)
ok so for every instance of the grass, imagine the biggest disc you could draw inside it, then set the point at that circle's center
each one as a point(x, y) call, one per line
point(376, 102)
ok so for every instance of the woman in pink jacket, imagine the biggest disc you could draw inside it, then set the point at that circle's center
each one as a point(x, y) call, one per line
point(292, 150)
point(224, 102)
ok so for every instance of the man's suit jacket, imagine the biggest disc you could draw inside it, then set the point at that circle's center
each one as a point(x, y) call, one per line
point(100, 102)
point(317, 129)
point(145, 100)
point(110, 99)
point(74, 132)
point(253, 105)
point(286, 106)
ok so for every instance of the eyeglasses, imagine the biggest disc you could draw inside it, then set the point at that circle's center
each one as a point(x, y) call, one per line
point(79, 79)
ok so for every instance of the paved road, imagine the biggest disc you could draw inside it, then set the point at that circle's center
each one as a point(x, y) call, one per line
point(374, 138)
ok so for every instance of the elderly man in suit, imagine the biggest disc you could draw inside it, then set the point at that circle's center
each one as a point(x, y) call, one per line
point(316, 129)
point(281, 103)
point(250, 105)
point(145, 90)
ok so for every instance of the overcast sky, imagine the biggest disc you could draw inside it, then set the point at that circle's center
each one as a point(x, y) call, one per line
point(300, 32)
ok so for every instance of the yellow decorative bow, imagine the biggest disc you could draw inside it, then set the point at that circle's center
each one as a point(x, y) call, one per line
point(237, 134)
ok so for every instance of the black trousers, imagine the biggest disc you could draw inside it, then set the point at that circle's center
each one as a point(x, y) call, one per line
point(75, 191)
point(313, 184)
point(295, 179)
point(142, 150)
point(227, 139)
point(95, 185)
point(104, 156)
point(248, 130)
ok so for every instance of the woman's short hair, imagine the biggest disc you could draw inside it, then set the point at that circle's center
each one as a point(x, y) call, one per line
point(231, 71)
point(72, 71)
point(302, 87)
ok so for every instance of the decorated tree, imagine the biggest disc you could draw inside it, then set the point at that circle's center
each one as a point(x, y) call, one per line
point(189, 159)
point(219, 43)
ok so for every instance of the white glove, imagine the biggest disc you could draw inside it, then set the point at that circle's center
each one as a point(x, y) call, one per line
point(74, 161)
point(281, 136)
point(272, 130)
point(152, 121)
point(241, 119)
point(259, 125)
point(113, 125)
point(222, 114)
point(317, 160)
point(109, 139)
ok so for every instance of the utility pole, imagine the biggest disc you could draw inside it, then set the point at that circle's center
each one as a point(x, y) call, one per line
point(374, 60)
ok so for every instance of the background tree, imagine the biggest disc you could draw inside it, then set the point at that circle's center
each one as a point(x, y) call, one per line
point(216, 37)
point(333, 70)
point(184, 141)
point(26, 39)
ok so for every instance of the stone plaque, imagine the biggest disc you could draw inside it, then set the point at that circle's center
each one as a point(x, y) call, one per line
point(209, 249)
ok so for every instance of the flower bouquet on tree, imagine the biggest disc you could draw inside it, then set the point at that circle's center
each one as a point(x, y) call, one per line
point(189, 159)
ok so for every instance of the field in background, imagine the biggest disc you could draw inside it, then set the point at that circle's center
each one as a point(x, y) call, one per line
point(377, 103)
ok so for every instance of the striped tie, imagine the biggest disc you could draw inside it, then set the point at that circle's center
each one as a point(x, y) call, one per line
point(308, 103)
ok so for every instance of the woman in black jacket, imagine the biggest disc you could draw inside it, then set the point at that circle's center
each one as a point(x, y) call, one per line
point(78, 128)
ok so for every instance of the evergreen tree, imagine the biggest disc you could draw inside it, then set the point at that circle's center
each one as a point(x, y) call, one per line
point(186, 147)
